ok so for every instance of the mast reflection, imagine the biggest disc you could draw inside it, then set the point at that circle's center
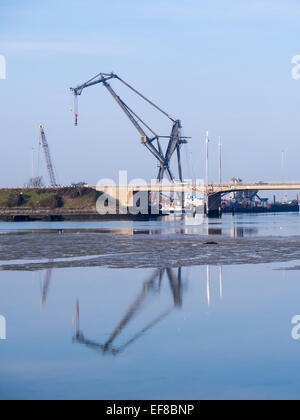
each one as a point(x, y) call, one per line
point(208, 284)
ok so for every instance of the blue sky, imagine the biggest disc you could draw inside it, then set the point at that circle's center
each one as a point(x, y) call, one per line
point(218, 66)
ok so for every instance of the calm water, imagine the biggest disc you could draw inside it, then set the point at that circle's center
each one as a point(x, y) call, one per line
point(207, 332)
point(235, 226)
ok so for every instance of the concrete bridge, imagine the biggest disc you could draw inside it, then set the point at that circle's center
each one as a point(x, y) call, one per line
point(216, 191)
point(260, 186)
point(213, 191)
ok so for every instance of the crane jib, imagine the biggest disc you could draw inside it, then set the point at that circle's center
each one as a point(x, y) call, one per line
point(175, 139)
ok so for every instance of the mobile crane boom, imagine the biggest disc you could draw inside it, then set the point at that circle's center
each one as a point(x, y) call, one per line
point(49, 163)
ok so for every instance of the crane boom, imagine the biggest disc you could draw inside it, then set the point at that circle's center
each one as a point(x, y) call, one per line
point(129, 113)
point(175, 139)
point(49, 164)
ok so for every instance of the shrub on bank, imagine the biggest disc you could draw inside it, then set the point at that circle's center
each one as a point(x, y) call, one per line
point(42, 198)
point(52, 202)
point(15, 200)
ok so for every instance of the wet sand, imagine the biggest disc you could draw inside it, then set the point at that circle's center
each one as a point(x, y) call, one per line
point(58, 249)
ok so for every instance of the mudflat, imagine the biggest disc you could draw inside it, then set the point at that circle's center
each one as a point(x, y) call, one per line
point(62, 248)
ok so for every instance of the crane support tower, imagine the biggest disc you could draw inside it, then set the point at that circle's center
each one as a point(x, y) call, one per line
point(149, 138)
point(49, 164)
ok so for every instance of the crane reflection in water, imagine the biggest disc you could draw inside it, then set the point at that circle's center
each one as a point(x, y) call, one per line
point(150, 287)
point(45, 285)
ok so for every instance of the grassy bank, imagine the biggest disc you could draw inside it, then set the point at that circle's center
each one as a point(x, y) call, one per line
point(77, 198)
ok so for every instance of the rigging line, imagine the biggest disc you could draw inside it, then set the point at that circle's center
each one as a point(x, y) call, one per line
point(139, 119)
point(146, 99)
point(38, 163)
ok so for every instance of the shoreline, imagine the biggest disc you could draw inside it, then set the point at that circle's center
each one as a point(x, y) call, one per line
point(68, 216)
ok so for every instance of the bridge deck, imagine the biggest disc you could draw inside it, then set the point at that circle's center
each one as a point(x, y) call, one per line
point(211, 188)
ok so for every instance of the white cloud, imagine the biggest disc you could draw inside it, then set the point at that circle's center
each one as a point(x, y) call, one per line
point(102, 47)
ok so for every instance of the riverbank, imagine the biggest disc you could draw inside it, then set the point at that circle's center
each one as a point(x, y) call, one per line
point(66, 215)
point(68, 204)
point(46, 199)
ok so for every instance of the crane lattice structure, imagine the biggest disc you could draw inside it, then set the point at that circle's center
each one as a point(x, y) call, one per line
point(151, 140)
point(49, 164)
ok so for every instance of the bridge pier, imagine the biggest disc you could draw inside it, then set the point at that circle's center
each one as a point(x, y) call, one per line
point(214, 205)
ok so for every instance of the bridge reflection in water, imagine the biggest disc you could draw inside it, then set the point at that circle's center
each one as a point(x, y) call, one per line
point(151, 287)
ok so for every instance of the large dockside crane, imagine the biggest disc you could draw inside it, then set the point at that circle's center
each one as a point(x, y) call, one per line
point(49, 163)
point(151, 140)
